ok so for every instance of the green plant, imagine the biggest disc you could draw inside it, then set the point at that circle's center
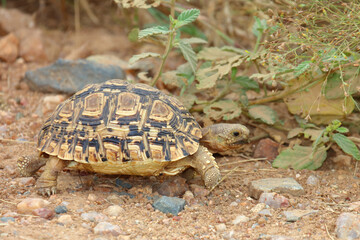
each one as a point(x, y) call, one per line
point(173, 40)
point(312, 157)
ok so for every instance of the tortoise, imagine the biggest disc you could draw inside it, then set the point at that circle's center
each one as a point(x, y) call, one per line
point(128, 129)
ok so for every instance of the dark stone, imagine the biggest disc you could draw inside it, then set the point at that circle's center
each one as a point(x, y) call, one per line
point(61, 209)
point(171, 205)
point(121, 183)
point(67, 76)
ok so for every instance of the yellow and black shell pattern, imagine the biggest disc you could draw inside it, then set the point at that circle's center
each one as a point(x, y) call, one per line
point(120, 122)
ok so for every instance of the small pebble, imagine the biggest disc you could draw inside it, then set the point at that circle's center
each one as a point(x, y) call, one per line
point(296, 214)
point(65, 219)
point(174, 187)
point(220, 227)
point(114, 210)
point(93, 216)
point(7, 219)
point(26, 181)
point(233, 204)
point(92, 197)
point(28, 205)
point(61, 209)
point(258, 207)
point(312, 180)
point(199, 191)
point(107, 228)
point(274, 200)
point(121, 183)
point(189, 198)
point(265, 212)
point(240, 219)
point(115, 199)
point(44, 213)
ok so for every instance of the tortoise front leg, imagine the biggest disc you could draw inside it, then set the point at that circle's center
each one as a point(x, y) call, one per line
point(46, 184)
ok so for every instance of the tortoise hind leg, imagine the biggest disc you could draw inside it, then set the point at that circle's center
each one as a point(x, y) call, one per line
point(46, 184)
point(29, 165)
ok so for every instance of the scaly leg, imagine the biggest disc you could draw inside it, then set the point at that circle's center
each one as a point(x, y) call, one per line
point(202, 161)
point(46, 184)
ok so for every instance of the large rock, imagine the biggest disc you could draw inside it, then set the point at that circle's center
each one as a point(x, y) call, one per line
point(32, 48)
point(12, 20)
point(279, 185)
point(68, 76)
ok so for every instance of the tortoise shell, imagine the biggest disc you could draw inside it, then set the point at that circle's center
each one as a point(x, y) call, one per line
point(120, 122)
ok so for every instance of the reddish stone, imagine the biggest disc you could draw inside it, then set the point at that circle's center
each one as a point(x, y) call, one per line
point(266, 148)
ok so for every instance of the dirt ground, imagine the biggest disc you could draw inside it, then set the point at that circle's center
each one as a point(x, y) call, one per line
point(22, 112)
point(21, 121)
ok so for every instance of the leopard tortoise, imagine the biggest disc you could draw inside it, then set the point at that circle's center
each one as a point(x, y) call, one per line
point(127, 129)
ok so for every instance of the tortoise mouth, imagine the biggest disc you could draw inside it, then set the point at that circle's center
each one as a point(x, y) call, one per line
point(238, 143)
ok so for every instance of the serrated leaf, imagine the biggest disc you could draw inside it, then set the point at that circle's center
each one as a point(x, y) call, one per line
point(347, 145)
point(301, 68)
point(188, 54)
point(194, 40)
point(153, 31)
point(137, 57)
point(342, 130)
point(247, 83)
point(264, 113)
point(224, 109)
point(187, 17)
point(301, 158)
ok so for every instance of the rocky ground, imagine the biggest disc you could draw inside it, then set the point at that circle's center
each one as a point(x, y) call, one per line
point(323, 204)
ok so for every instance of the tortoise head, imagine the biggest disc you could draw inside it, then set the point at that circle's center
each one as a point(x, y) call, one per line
point(224, 136)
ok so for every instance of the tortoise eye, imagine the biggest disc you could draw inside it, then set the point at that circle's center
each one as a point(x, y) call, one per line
point(236, 133)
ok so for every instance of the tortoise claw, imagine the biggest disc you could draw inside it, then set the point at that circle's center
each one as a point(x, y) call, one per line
point(47, 191)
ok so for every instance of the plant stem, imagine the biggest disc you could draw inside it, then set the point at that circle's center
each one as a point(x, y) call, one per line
point(168, 48)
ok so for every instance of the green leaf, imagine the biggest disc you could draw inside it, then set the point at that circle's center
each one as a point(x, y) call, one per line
point(247, 83)
point(223, 109)
point(301, 158)
point(153, 31)
point(332, 87)
point(347, 145)
point(188, 54)
point(342, 130)
point(301, 68)
point(187, 17)
point(259, 27)
point(264, 113)
point(194, 40)
point(137, 57)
